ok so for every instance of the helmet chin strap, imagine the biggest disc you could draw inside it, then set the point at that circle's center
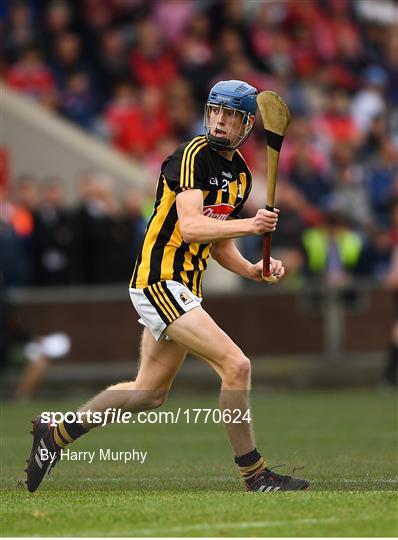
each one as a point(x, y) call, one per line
point(219, 143)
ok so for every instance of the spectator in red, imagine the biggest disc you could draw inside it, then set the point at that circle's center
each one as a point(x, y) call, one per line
point(299, 21)
point(345, 33)
point(324, 32)
point(136, 125)
point(150, 62)
point(334, 31)
point(336, 41)
point(121, 110)
point(336, 123)
point(30, 75)
point(149, 124)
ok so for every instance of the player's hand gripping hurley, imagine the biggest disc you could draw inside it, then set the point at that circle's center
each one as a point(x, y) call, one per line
point(276, 118)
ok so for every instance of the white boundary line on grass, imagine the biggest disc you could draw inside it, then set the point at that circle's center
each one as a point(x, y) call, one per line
point(230, 478)
point(209, 526)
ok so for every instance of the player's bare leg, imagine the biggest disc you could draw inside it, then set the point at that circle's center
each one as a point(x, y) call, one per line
point(159, 364)
point(197, 331)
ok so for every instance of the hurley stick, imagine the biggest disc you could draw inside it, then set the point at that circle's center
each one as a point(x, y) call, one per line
point(276, 118)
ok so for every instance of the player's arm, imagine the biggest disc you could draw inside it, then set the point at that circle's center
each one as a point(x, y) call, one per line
point(195, 227)
point(228, 256)
point(226, 253)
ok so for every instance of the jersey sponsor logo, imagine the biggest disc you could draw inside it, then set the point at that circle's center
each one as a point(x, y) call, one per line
point(218, 211)
point(227, 174)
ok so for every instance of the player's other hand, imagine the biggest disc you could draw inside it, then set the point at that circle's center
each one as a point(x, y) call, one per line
point(277, 271)
point(265, 221)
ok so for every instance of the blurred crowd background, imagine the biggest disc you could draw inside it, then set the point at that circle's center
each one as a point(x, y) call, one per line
point(137, 73)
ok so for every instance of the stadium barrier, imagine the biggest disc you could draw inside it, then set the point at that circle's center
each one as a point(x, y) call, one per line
point(316, 320)
point(44, 144)
point(317, 337)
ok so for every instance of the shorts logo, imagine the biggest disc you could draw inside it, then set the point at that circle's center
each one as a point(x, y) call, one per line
point(185, 298)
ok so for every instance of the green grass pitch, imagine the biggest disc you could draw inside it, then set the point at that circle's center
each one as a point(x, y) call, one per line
point(344, 442)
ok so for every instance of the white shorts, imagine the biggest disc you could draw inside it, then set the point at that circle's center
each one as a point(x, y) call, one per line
point(162, 303)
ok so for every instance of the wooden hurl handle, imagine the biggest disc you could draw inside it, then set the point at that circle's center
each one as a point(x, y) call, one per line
point(276, 118)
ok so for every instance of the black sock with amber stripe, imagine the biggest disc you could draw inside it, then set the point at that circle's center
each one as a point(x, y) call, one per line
point(67, 432)
point(250, 465)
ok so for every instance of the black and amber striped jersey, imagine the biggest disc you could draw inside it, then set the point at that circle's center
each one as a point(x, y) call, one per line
point(225, 185)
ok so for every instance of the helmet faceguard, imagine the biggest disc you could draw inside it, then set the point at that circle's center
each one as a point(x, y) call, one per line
point(234, 136)
point(228, 100)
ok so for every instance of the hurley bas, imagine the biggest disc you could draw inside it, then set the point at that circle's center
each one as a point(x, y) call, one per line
point(103, 454)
